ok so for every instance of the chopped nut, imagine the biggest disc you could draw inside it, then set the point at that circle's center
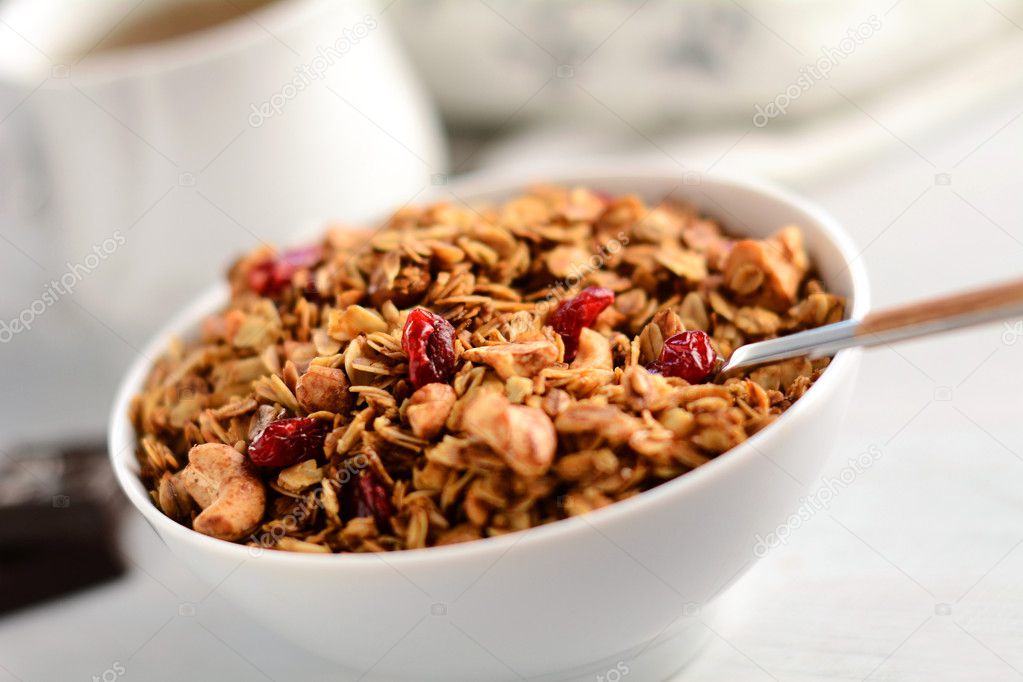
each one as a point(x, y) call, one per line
point(523, 436)
point(429, 408)
point(594, 351)
point(520, 358)
point(608, 421)
point(224, 484)
point(324, 388)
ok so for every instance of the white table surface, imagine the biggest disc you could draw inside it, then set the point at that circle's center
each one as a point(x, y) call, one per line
point(912, 573)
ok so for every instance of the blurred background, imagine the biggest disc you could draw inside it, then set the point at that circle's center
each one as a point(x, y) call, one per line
point(146, 143)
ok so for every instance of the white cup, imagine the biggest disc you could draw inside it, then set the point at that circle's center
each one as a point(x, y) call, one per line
point(158, 162)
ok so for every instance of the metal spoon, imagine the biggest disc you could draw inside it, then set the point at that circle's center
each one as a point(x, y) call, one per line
point(932, 316)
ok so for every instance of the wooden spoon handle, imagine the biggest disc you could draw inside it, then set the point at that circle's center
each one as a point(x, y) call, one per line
point(973, 307)
point(999, 302)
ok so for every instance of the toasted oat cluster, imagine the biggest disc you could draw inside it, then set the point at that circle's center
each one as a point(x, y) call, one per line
point(468, 372)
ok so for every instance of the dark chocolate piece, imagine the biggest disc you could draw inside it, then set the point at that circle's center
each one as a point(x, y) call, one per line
point(58, 513)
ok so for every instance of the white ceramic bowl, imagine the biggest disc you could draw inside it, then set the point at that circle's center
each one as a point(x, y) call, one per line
point(618, 590)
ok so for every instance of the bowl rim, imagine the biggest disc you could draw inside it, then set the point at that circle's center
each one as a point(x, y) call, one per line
point(122, 440)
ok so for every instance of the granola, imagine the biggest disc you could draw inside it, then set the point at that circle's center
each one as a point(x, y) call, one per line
point(469, 372)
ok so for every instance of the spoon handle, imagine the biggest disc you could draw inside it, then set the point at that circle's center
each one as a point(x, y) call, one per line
point(932, 316)
point(989, 304)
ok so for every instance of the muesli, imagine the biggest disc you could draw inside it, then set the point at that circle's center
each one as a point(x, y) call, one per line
point(466, 372)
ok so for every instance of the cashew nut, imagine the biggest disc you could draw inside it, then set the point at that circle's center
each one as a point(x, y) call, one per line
point(607, 420)
point(429, 408)
point(523, 436)
point(324, 388)
point(222, 482)
point(594, 351)
point(521, 358)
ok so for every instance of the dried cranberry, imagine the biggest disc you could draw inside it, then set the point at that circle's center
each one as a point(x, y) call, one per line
point(270, 277)
point(429, 341)
point(577, 312)
point(687, 355)
point(365, 495)
point(289, 441)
